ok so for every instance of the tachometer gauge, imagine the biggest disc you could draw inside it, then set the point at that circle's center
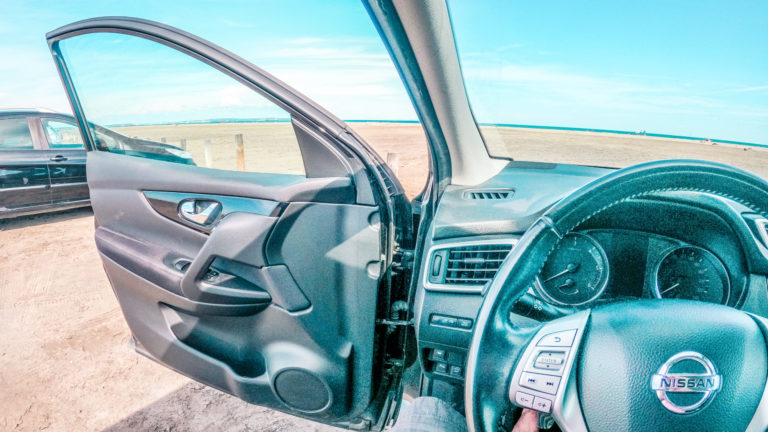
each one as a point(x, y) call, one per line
point(575, 273)
point(690, 272)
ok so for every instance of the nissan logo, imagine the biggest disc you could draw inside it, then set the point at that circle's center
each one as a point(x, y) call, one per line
point(686, 382)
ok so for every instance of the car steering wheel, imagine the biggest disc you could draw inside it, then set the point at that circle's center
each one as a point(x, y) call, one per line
point(642, 365)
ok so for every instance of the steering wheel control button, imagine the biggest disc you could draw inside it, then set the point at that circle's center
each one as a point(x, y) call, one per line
point(550, 360)
point(558, 339)
point(686, 382)
point(524, 399)
point(543, 383)
point(541, 404)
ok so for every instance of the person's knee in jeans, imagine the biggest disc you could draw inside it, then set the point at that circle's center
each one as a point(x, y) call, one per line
point(429, 414)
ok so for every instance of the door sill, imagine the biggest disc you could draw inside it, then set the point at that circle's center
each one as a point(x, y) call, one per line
point(44, 208)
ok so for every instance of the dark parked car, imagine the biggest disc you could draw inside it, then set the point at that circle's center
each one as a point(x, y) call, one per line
point(42, 160)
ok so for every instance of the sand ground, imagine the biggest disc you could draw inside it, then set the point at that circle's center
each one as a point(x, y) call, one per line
point(65, 362)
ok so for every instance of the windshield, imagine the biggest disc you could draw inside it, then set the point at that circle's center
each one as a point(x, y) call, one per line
point(618, 83)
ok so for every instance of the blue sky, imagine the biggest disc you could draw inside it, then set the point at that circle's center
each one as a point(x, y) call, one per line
point(685, 67)
point(697, 68)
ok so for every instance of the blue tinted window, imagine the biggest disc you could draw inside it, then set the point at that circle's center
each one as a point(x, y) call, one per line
point(62, 135)
point(15, 135)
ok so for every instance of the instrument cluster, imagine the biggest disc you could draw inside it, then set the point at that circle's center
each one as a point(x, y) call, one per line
point(605, 265)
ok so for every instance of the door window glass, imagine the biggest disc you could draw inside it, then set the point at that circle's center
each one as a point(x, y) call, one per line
point(147, 100)
point(62, 135)
point(15, 135)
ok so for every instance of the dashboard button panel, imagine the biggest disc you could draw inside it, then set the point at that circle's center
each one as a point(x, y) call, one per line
point(444, 362)
point(451, 322)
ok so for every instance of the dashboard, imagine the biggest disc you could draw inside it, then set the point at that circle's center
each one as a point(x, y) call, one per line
point(680, 245)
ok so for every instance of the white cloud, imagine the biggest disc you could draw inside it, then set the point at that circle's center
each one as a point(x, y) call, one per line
point(762, 88)
point(589, 91)
point(232, 95)
point(353, 78)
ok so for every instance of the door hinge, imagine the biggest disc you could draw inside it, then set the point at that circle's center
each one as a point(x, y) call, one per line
point(402, 259)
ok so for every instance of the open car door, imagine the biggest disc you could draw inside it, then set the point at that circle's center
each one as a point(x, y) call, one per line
point(249, 235)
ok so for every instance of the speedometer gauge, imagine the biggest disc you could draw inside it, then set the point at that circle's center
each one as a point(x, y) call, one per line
point(576, 272)
point(692, 273)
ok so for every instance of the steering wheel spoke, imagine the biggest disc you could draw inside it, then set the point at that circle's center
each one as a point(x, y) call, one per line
point(544, 378)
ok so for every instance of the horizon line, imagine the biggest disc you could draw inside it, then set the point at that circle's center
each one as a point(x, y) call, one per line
point(522, 126)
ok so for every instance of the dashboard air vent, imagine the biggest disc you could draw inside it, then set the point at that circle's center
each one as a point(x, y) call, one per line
point(474, 265)
point(489, 194)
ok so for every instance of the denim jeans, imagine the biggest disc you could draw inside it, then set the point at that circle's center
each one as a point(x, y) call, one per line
point(428, 414)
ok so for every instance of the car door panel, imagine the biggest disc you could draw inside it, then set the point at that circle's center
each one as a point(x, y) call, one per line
point(24, 178)
point(272, 293)
point(65, 164)
point(68, 175)
point(287, 343)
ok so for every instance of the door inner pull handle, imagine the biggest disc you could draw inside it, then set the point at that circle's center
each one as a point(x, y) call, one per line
point(200, 211)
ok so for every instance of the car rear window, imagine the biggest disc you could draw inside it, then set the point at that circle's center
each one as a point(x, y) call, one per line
point(14, 134)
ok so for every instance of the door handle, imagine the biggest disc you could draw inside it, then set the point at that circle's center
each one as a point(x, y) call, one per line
point(199, 211)
point(58, 158)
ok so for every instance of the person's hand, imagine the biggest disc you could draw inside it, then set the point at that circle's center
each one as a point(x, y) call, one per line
point(529, 422)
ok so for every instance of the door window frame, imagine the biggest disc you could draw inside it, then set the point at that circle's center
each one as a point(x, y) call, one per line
point(216, 57)
point(301, 109)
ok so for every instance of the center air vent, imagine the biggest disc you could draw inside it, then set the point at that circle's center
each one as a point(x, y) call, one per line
point(466, 267)
point(489, 194)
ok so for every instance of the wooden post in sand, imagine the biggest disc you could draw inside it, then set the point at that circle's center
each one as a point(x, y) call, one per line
point(240, 150)
point(183, 143)
point(208, 155)
point(393, 160)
